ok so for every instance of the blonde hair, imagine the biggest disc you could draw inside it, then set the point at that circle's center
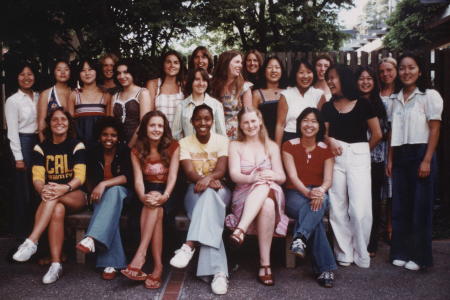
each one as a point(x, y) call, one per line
point(389, 60)
point(263, 136)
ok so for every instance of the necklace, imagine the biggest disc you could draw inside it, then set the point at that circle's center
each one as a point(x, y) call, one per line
point(308, 157)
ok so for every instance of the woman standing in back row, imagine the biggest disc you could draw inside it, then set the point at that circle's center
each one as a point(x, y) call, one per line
point(229, 87)
point(416, 119)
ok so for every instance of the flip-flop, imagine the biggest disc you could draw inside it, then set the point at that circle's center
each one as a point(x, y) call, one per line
point(134, 273)
point(156, 282)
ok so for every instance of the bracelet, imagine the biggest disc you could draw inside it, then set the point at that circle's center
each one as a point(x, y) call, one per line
point(70, 188)
point(166, 195)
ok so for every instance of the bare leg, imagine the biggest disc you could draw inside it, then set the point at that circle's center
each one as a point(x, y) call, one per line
point(157, 246)
point(252, 206)
point(265, 229)
point(74, 201)
point(56, 232)
point(149, 218)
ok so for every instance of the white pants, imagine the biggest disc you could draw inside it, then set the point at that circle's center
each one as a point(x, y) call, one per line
point(351, 204)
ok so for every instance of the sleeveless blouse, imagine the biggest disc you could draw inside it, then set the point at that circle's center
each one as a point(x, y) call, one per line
point(89, 109)
point(231, 106)
point(242, 191)
point(167, 103)
point(128, 113)
point(53, 100)
point(268, 110)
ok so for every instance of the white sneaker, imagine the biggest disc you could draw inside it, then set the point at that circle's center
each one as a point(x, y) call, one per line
point(410, 265)
point(182, 257)
point(25, 251)
point(53, 273)
point(86, 245)
point(219, 284)
point(398, 262)
point(344, 263)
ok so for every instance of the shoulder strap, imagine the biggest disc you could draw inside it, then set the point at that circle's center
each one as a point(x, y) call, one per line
point(138, 93)
point(262, 95)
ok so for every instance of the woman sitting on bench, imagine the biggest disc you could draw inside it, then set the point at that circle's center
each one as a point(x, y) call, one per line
point(109, 175)
point(59, 170)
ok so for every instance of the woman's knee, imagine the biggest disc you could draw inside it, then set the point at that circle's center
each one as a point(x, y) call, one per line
point(59, 212)
point(268, 207)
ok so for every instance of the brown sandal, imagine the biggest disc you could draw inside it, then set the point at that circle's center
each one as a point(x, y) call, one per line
point(235, 238)
point(266, 279)
point(156, 282)
point(134, 273)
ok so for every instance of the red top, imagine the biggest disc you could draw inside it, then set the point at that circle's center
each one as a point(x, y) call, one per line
point(309, 166)
point(154, 170)
point(107, 173)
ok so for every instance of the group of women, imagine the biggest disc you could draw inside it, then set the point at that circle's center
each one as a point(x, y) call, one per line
point(254, 150)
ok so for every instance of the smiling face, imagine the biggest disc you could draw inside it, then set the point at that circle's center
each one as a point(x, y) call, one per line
point(88, 74)
point(250, 124)
point(59, 123)
point(409, 71)
point(202, 122)
point(235, 67)
point(387, 72)
point(26, 79)
point(109, 138)
point(108, 68)
point(62, 72)
point(304, 77)
point(273, 71)
point(322, 66)
point(309, 126)
point(252, 63)
point(334, 83)
point(366, 83)
point(199, 85)
point(171, 65)
point(125, 79)
point(201, 60)
point(155, 128)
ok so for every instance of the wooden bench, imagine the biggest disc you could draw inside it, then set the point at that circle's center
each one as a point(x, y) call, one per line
point(80, 222)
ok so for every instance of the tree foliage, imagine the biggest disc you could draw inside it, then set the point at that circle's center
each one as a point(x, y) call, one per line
point(407, 25)
point(268, 25)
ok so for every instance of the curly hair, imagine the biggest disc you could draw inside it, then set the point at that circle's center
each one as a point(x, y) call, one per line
point(71, 133)
point(143, 142)
point(108, 121)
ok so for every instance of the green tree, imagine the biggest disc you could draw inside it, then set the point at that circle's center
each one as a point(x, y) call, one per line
point(268, 25)
point(407, 25)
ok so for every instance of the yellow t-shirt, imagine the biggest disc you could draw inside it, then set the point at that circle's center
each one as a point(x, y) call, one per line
point(203, 156)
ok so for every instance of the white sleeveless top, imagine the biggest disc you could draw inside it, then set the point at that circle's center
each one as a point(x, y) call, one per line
point(297, 103)
point(167, 104)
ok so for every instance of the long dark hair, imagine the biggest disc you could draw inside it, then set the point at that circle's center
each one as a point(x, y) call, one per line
point(347, 80)
point(296, 67)
point(92, 64)
point(190, 80)
point(312, 110)
point(205, 51)
point(374, 96)
point(132, 67)
point(221, 74)
point(423, 82)
point(262, 82)
point(143, 142)
point(181, 73)
point(71, 133)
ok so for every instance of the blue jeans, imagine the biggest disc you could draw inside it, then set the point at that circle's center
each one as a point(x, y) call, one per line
point(309, 224)
point(412, 205)
point(105, 227)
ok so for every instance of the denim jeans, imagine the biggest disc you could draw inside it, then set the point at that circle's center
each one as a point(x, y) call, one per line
point(105, 227)
point(412, 205)
point(24, 201)
point(309, 224)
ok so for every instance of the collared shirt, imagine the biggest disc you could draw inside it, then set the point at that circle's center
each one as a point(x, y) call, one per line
point(409, 119)
point(182, 125)
point(21, 117)
point(297, 103)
